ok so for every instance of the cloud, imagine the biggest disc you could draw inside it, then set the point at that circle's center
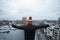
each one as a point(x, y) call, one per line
point(38, 9)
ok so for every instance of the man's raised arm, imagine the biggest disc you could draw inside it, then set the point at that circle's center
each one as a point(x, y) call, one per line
point(18, 27)
point(42, 26)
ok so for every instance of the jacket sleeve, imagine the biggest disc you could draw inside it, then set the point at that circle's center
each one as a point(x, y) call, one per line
point(18, 27)
point(42, 26)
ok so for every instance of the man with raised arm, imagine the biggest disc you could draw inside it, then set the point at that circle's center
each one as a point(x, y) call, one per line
point(30, 29)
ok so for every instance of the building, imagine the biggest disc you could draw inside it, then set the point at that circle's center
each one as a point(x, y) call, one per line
point(59, 21)
point(24, 20)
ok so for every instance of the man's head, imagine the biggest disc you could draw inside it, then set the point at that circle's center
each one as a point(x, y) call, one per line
point(30, 18)
point(29, 21)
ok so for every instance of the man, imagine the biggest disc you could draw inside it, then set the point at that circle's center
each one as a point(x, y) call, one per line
point(29, 29)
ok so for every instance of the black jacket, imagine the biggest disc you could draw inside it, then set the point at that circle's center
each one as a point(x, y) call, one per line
point(30, 30)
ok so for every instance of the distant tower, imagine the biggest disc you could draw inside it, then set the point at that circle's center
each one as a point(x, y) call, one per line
point(45, 21)
point(24, 20)
point(59, 21)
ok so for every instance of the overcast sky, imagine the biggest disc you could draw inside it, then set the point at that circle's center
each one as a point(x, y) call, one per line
point(38, 9)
